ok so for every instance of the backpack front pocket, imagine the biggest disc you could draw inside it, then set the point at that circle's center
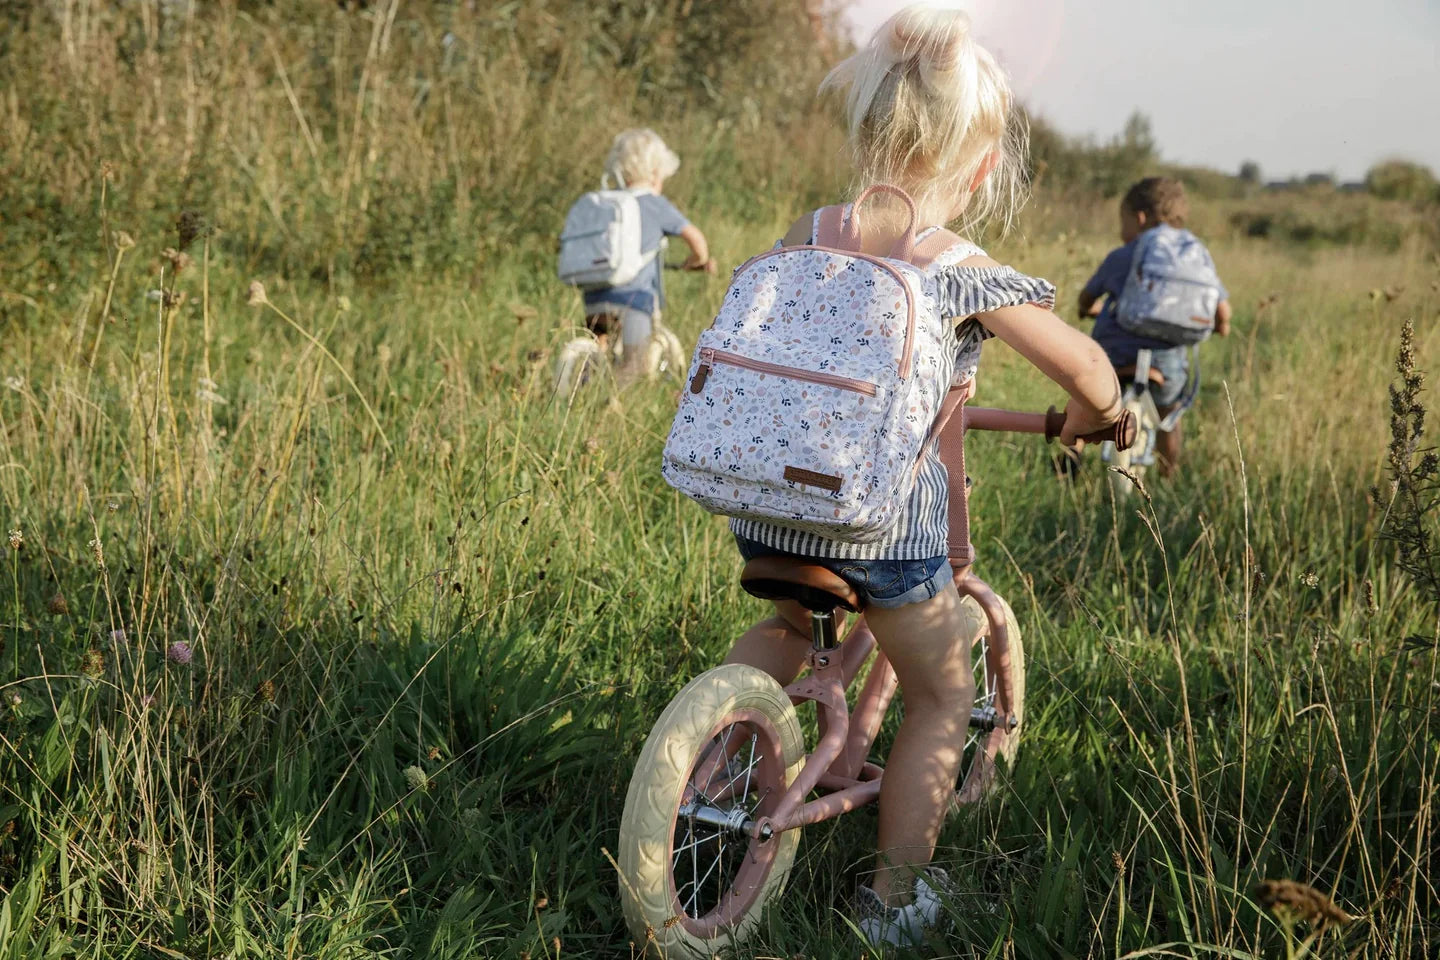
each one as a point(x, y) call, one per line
point(776, 430)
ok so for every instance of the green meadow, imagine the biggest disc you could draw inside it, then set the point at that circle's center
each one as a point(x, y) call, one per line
point(327, 631)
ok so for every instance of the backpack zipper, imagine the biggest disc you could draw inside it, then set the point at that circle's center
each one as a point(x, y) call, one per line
point(710, 356)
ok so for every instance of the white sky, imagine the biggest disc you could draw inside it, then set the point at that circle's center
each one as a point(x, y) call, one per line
point(1295, 85)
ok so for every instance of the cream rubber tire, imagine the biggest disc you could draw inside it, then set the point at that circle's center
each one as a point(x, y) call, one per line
point(667, 765)
point(979, 777)
point(667, 357)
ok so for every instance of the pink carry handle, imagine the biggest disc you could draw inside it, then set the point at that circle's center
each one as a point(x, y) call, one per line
point(849, 236)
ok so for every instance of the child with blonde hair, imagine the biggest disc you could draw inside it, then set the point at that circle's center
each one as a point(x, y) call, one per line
point(928, 111)
point(639, 161)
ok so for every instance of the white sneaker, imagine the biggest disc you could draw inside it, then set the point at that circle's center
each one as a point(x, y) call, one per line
point(903, 926)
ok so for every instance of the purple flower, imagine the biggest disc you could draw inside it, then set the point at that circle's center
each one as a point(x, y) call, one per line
point(178, 652)
point(147, 701)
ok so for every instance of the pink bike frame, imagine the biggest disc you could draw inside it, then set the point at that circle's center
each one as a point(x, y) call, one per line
point(838, 765)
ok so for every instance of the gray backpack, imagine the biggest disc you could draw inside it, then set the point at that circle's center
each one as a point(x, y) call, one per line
point(1172, 290)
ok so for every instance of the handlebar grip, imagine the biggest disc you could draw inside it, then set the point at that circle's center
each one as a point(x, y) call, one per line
point(1121, 432)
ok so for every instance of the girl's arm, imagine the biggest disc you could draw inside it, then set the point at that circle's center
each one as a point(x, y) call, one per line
point(1065, 355)
point(699, 249)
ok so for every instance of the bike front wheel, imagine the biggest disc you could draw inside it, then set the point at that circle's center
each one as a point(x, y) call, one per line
point(721, 756)
point(1132, 461)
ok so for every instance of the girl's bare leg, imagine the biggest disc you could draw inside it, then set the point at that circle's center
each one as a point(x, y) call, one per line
point(778, 645)
point(928, 644)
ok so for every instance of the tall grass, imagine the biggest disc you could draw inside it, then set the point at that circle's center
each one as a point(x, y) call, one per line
point(327, 633)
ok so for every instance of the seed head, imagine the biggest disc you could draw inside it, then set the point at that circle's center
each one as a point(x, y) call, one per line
point(179, 260)
point(147, 701)
point(417, 778)
point(255, 296)
point(58, 606)
point(92, 664)
point(123, 240)
point(191, 226)
point(179, 652)
point(98, 548)
point(266, 691)
point(1310, 579)
point(1290, 899)
point(17, 540)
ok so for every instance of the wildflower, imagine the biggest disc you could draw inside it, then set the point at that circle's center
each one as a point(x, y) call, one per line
point(98, 549)
point(15, 383)
point(210, 396)
point(265, 690)
point(1294, 901)
point(255, 295)
point(123, 240)
point(15, 700)
point(112, 506)
point(117, 636)
point(147, 701)
point(343, 302)
point(471, 818)
point(179, 652)
point(107, 170)
point(17, 540)
point(57, 605)
point(417, 778)
point(1310, 579)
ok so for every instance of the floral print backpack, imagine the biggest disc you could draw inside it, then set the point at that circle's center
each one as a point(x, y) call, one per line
point(812, 396)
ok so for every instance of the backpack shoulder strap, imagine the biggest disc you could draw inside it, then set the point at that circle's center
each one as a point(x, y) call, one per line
point(830, 226)
point(933, 246)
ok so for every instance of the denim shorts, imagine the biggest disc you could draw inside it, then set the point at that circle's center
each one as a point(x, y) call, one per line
point(1174, 366)
point(880, 583)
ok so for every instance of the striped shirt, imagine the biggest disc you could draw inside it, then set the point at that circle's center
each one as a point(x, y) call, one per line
point(923, 526)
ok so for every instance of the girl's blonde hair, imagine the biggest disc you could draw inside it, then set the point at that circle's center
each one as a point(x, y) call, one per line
point(926, 107)
point(639, 155)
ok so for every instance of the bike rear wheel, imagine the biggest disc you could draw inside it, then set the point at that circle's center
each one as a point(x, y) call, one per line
point(722, 754)
point(985, 748)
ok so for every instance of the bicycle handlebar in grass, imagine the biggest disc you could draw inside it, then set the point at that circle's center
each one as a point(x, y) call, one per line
point(1121, 432)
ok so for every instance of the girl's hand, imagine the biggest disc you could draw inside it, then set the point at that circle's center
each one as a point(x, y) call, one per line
point(1081, 419)
point(707, 266)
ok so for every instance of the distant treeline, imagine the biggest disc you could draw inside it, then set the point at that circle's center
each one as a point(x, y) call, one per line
point(357, 140)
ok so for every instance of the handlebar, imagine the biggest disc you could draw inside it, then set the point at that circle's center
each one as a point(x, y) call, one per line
point(1121, 432)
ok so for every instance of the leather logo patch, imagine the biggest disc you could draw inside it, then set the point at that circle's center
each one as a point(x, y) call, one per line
point(812, 479)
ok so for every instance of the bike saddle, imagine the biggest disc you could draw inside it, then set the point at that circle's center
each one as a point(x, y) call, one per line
point(792, 578)
point(1127, 375)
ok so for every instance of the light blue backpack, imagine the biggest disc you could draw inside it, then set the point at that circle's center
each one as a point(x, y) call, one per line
point(1172, 291)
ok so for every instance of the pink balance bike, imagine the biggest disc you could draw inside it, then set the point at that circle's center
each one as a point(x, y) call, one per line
point(724, 783)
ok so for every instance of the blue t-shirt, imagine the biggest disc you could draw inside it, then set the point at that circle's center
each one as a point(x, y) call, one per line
point(1119, 344)
point(658, 219)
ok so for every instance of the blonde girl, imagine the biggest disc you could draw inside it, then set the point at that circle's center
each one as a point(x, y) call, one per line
point(928, 110)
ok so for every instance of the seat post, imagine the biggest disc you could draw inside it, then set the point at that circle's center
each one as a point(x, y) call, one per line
point(822, 629)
